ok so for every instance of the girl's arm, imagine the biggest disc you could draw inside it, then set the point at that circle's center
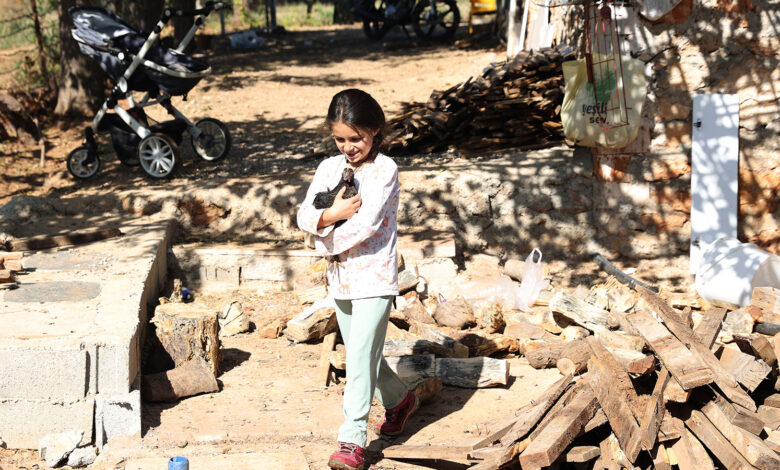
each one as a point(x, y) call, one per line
point(378, 198)
point(308, 217)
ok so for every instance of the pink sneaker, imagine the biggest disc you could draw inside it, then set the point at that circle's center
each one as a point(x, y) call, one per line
point(348, 457)
point(395, 418)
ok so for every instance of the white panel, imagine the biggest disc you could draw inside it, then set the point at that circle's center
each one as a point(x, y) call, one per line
point(715, 166)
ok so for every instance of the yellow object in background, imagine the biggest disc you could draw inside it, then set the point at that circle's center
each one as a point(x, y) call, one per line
point(481, 7)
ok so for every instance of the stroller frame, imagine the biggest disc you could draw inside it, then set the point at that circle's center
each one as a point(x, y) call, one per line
point(122, 90)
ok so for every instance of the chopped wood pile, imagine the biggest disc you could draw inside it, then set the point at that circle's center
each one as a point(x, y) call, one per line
point(516, 103)
point(645, 385)
point(10, 262)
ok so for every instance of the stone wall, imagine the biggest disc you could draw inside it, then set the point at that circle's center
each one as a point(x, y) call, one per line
point(711, 46)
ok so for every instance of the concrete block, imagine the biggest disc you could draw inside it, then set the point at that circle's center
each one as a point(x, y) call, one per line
point(117, 416)
point(54, 448)
point(25, 422)
point(41, 372)
point(114, 364)
point(82, 457)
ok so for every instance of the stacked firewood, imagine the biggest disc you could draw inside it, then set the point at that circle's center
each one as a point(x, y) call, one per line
point(513, 104)
point(647, 386)
point(9, 263)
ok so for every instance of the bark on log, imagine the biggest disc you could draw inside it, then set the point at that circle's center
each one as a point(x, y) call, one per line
point(190, 378)
point(313, 323)
point(473, 372)
point(185, 332)
point(547, 357)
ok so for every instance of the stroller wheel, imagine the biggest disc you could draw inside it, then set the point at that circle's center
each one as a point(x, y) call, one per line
point(159, 155)
point(214, 140)
point(81, 164)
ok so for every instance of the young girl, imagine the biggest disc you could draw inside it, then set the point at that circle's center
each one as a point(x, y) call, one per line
point(363, 270)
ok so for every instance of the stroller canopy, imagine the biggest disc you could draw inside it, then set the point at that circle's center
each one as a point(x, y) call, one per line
point(102, 36)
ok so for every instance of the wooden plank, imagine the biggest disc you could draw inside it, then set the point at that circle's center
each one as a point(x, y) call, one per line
point(578, 454)
point(323, 368)
point(560, 431)
point(766, 298)
point(670, 428)
point(758, 345)
point(710, 326)
point(709, 435)
point(749, 445)
point(11, 255)
point(682, 364)
point(44, 242)
point(598, 419)
point(749, 371)
point(498, 429)
point(738, 416)
point(724, 380)
point(558, 407)
point(772, 400)
point(616, 403)
point(506, 455)
point(312, 323)
point(690, 454)
point(612, 455)
point(769, 416)
point(660, 458)
point(634, 362)
point(654, 412)
point(530, 418)
point(426, 452)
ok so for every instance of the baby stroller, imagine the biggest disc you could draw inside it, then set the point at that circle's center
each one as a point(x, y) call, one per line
point(135, 63)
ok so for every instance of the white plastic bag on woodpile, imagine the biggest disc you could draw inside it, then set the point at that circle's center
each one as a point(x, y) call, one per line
point(582, 117)
point(533, 281)
point(502, 289)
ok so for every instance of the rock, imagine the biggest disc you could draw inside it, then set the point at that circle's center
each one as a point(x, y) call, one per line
point(233, 320)
point(54, 448)
point(82, 457)
point(407, 280)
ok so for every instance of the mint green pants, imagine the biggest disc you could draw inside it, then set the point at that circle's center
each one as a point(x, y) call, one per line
point(363, 325)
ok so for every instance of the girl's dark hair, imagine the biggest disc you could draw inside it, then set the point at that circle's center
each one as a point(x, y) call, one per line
point(358, 110)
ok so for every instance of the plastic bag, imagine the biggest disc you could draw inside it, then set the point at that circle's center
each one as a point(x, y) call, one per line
point(533, 282)
point(491, 289)
point(579, 114)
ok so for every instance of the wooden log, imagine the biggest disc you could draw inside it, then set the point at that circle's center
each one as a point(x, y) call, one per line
point(428, 389)
point(749, 445)
point(6, 275)
point(490, 317)
point(766, 298)
point(577, 454)
point(11, 255)
point(323, 368)
point(772, 400)
point(749, 371)
point(740, 321)
point(413, 368)
point(558, 433)
point(190, 378)
point(579, 311)
point(525, 330)
point(405, 347)
point(45, 242)
point(617, 339)
point(710, 326)
point(571, 333)
point(433, 334)
point(660, 458)
point(12, 264)
point(455, 313)
point(311, 324)
point(504, 456)
point(670, 429)
point(185, 332)
point(720, 447)
point(547, 357)
point(598, 419)
point(414, 310)
point(616, 396)
point(472, 372)
point(682, 364)
point(770, 416)
point(531, 417)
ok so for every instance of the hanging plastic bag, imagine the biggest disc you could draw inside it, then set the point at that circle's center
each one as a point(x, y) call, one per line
point(533, 282)
point(580, 114)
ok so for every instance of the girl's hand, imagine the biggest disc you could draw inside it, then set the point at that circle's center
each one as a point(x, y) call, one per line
point(341, 209)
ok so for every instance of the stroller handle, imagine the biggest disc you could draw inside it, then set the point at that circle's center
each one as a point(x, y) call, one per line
point(208, 8)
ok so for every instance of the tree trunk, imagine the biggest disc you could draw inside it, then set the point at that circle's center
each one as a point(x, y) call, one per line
point(142, 14)
point(182, 24)
point(81, 80)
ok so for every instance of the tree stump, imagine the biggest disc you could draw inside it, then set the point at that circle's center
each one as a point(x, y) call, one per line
point(186, 332)
point(191, 378)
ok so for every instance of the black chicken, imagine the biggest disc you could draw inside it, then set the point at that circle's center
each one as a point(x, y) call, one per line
point(324, 199)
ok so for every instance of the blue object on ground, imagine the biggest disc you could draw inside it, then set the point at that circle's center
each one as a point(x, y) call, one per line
point(178, 463)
